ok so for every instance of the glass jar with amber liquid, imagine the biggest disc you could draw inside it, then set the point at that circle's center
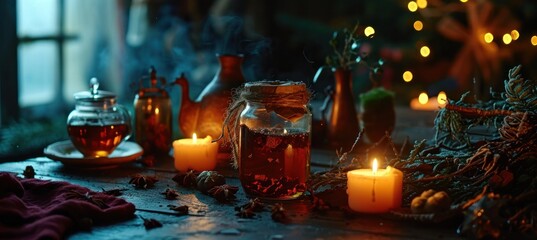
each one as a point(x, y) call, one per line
point(274, 140)
point(97, 125)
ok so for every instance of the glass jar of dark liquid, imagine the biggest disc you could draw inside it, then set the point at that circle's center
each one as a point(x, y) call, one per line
point(274, 140)
point(97, 125)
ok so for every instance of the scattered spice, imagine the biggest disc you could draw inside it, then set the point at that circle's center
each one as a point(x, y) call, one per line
point(170, 194)
point(114, 192)
point(255, 204)
point(279, 214)
point(247, 210)
point(151, 223)
point(209, 179)
point(86, 197)
point(182, 210)
point(223, 193)
point(186, 179)
point(143, 182)
point(29, 172)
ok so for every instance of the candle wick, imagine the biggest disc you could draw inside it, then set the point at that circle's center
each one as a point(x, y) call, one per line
point(373, 190)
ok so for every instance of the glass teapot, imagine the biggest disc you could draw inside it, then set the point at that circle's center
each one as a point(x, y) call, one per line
point(97, 125)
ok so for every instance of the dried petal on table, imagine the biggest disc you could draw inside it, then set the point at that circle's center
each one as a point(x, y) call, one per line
point(319, 204)
point(29, 172)
point(223, 193)
point(143, 182)
point(186, 179)
point(182, 210)
point(170, 194)
point(151, 223)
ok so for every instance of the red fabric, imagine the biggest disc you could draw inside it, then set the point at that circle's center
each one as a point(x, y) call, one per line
point(38, 209)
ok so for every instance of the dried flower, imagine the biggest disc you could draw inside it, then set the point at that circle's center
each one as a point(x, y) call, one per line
point(182, 210)
point(170, 194)
point(187, 179)
point(209, 179)
point(151, 223)
point(29, 172)
point(223, 193)
point(143, 182)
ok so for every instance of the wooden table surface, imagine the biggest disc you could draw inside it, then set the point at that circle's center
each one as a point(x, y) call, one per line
point(218, 221)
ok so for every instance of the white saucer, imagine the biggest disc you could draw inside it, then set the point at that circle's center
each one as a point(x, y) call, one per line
point(67, 154)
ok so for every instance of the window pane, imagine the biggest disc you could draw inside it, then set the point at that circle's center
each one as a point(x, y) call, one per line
point(37, 17)
point(38, 72)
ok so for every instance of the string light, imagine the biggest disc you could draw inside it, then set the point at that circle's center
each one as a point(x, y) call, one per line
point(425, 51)
point(412, 6)
point(441, 98)
point(507, 38)
point(421, 3)
point(488, 37)
point(515, 34)
point(418, 25)
point(463, 1)
point(407, 76)
point(423, 98)
point(368, 31)
point(534, 40)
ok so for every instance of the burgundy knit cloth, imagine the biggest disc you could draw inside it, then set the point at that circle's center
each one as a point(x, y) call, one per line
point(38, 209)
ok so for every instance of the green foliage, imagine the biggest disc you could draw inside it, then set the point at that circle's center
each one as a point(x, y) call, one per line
point(375, 96)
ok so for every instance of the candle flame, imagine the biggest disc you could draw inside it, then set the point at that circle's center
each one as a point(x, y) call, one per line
point(194, 138)
point(375, 166)
point(157, 111)
point(284, 131)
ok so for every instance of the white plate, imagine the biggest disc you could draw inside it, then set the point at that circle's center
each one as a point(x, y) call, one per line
point(66, 153)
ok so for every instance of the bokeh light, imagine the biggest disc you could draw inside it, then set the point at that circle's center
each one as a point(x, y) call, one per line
point(507, 38)
point(488, 37)
point(368, 31)
point(408, 76)
point(423, 98)
point(412, 6)
point(425, 51)
point(418, 25)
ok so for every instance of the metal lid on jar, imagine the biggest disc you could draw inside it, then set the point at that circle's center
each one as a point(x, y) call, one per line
point(154, 90)
point(94, 94)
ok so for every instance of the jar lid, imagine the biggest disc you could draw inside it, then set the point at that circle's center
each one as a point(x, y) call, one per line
point(94, 94)
point(153, 90)
point(276, 87)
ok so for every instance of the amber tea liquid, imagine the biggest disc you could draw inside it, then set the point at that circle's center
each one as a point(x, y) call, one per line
point(274, 164)
point(97, 141)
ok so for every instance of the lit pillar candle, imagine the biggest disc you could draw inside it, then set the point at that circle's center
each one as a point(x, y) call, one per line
point(196, 154)
point(374, 190)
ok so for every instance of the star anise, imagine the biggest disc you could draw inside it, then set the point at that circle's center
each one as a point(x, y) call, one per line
point(29, 172)
point(209, 179)
point(151, 223)
point(182, 210)
point(114, 192)
point(187, 179)
point(279, 214)
point(143, 182)
point(86, 197)
point(245, 212)
point(170, 194)
point(223, 193)
point(255, 204)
